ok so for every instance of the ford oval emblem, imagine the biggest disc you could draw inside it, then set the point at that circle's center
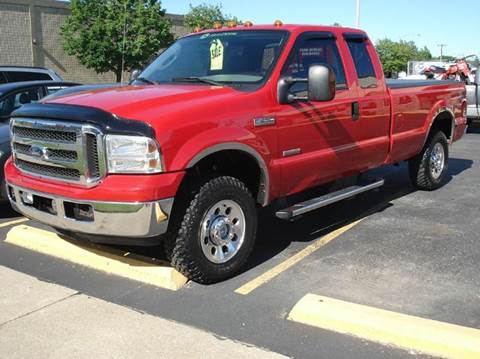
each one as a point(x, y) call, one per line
point(39, 151)
point(36, 151)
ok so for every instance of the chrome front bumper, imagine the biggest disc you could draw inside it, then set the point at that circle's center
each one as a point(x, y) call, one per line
point(135, 220)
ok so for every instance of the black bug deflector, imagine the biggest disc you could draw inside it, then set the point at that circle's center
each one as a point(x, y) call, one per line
point(108, 122)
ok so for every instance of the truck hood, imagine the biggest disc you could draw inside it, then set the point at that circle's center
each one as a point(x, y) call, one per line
point(150, 102)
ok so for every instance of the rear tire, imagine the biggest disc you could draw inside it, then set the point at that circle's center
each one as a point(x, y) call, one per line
point(429, 167)
point(213, 234)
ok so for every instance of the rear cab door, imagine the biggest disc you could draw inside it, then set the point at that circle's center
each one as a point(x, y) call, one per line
point(371, 111)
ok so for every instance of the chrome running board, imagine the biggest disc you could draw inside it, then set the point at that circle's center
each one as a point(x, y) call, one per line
point(332, 197)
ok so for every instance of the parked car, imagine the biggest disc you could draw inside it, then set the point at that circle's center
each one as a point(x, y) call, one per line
point(12, 96)
point(189, 151)
point(4, 154)
point(473, 99)
point(23, 74)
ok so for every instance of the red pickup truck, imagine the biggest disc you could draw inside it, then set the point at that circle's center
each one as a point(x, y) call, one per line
point(223, 122)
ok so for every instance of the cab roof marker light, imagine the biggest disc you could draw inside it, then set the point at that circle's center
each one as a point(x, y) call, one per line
point(278, 23)
point(231, 24)
point(217, 26)
point(248, 24)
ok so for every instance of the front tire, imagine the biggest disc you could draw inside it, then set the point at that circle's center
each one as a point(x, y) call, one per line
point(429, 167)
point(215, 231)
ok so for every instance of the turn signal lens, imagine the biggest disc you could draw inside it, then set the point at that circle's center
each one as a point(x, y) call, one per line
point(277, 23)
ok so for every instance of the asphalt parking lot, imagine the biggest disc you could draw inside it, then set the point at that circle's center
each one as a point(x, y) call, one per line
point(396, 249)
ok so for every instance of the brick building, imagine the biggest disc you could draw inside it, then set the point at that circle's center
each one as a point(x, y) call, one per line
point(30, 36)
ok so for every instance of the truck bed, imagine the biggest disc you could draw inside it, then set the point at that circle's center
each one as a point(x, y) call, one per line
point(411, 105)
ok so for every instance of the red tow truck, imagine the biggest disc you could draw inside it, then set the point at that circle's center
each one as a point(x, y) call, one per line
point(223, 122)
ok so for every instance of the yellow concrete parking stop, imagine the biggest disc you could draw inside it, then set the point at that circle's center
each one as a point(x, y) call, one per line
point(414, 333)
point(108, 260)
point(13, 222)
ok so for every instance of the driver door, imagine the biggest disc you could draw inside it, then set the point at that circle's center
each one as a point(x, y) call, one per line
point(316, 143)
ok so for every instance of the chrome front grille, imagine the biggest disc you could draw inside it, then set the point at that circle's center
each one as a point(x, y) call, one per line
point(70, 152)
point(53, 154)
point(46, 135)
point(50, 171)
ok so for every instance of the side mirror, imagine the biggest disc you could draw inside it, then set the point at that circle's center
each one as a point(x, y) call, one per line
point(321, 85)
point(477, 77)
point(134, 75)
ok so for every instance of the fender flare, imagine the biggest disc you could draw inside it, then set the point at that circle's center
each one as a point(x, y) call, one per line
point(264, 186)
point(440, 110)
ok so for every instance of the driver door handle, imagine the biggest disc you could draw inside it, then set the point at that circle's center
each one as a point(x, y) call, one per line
point(355, 111)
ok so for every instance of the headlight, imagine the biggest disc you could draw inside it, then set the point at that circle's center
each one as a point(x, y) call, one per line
point(132, 154)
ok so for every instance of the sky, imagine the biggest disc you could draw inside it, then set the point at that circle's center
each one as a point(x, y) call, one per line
point(455, 23)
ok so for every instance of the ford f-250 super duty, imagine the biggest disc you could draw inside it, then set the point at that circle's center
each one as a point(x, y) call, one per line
point(223, 122)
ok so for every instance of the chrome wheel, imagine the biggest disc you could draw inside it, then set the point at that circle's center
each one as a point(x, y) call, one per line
point(437, 161)
point(222, 231)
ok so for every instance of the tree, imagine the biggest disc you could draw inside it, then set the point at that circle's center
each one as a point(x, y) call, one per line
point(396, 55)
point(424, 54)
point(205, 16)
point(115, 35)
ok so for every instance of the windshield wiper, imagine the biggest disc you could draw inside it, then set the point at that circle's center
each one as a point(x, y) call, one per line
point(147, 81)
point(197, 79)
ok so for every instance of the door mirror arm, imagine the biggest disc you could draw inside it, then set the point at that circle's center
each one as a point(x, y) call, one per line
point(283, 90)
point(321, 85)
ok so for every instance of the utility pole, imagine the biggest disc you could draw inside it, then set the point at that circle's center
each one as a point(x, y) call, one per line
point(357, 22)
point(441, 46)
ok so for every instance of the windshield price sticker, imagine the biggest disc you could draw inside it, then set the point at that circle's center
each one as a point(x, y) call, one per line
point(216, 55)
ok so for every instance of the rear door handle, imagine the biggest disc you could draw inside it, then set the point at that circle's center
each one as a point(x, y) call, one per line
point(355, 111)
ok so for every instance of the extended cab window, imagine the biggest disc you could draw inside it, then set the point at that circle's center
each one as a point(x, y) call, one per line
point(310, 50)
point(363, 63)
point(234, 58)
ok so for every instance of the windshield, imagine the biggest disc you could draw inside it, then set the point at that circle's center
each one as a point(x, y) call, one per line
point(236, 58)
